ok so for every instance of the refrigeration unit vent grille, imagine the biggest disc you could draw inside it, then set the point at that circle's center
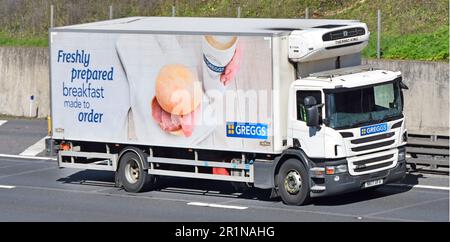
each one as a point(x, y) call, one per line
point(343, 33)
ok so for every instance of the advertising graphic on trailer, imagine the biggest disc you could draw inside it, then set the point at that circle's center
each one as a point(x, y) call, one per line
point(196, 91)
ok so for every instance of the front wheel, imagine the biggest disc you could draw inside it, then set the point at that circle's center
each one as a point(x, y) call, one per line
point(293, 184)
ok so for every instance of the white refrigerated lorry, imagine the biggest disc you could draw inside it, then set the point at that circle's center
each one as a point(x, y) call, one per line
point(281, 104)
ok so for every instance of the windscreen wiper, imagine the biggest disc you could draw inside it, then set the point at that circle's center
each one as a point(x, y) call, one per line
point(387, 117)
point(360, 123)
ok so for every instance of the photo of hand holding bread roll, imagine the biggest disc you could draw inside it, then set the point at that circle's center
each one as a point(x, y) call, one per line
point(168, 78)
point(177, 101)
point(179, 91)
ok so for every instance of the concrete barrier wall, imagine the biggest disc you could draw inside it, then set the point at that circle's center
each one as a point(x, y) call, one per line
point(24, 72)
point(427, 100)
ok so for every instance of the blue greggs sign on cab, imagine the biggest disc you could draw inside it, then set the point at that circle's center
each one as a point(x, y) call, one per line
point(379, 128)
point(247, 130)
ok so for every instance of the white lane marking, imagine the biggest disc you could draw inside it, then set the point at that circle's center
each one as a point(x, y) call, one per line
point(35, 149)
point(2, 122)
point(405, 207)
point(26, 157)
point(95, 192)
point(215, 205)
point(394, 219)
point(421, 186)
point(7, 187)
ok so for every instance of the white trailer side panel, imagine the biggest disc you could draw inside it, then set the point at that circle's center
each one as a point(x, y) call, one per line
point(284, 74)
point(103, 88)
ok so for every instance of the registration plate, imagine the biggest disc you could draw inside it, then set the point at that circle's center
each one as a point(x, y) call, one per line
point(373, 183)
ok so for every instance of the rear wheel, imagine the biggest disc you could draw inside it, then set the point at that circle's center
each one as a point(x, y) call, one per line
point(132, 175)
point(293, 184)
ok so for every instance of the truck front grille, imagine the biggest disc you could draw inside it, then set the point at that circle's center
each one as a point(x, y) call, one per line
point(373, 146)
point(373, 162)
point(372, 138)
point(371, 143)
point(373, 152)
point(374, 167)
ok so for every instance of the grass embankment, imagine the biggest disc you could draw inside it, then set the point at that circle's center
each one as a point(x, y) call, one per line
point(30, 41)
point(425, 46)
point(411, 29)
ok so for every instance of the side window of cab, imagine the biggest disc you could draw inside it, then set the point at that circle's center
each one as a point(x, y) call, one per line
point(301, 109)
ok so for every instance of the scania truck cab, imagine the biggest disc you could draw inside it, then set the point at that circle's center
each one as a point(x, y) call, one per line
point(345, 123)
point(349, 127)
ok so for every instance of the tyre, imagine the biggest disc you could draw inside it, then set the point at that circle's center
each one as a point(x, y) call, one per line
point(293, 183)
point(131, 173)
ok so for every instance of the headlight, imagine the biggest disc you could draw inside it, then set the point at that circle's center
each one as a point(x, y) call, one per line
point(331, 170)
point(401, 155)
point(341, 168)
point(317, 172)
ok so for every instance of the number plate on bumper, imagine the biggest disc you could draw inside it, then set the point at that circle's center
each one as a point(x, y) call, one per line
point(373, 183)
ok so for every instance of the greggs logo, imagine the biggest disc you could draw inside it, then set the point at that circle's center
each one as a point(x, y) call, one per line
point(379, 128)
point(247, 130)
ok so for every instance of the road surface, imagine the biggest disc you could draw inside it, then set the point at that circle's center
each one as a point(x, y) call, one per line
point(35, 189)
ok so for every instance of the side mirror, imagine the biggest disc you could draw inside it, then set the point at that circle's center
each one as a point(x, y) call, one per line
point(312, 116)
point(312, 111)
point(403, 85)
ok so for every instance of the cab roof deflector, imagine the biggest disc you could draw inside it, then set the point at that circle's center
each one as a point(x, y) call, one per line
point(343, 71)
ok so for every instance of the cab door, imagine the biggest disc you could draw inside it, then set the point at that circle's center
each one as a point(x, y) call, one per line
point(310, 139)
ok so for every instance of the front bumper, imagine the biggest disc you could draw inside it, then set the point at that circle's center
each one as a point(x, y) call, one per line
point(347, 183)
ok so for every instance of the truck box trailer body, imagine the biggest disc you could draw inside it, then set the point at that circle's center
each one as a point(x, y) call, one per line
point(274, 103)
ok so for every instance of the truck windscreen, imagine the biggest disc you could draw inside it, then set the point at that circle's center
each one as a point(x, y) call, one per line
point(363, 106)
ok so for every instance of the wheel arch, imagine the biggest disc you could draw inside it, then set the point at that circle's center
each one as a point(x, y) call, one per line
point(138, 151)
point(297, 154)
